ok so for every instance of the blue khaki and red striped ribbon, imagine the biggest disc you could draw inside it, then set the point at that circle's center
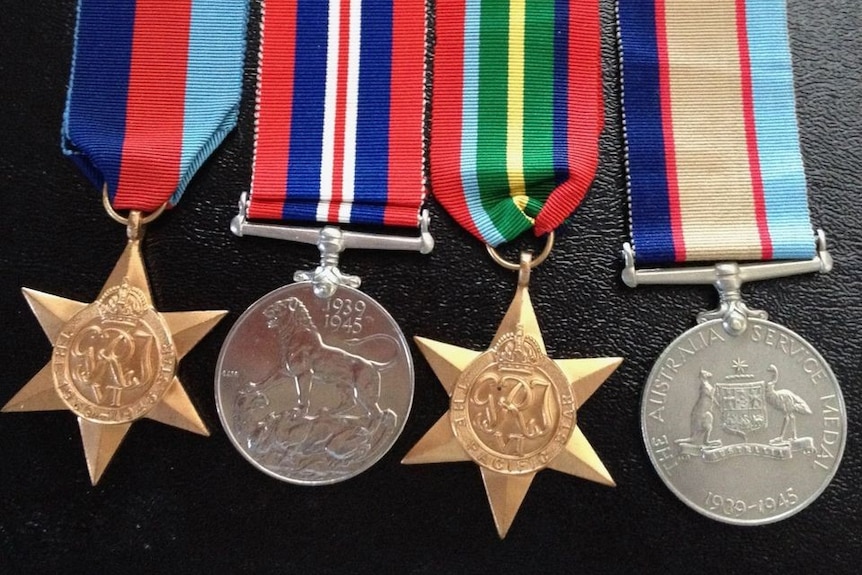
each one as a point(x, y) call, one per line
point(154, 89)
point(714, 164)
point(340, 106)
point(517, 112)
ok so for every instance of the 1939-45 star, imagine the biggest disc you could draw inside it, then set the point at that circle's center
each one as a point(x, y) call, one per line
point(114, 360)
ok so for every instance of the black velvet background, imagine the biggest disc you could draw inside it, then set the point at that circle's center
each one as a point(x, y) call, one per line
point(175, 502)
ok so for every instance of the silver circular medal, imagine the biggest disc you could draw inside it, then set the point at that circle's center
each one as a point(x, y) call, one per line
point(745, 429)
point(314, 390)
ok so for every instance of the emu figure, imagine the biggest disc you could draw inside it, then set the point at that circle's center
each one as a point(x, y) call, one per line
point(788, 403)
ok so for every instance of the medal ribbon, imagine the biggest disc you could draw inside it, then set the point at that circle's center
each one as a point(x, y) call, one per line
point(339, 117)
point(714, 166)
point(517, 111)
point(154, 89)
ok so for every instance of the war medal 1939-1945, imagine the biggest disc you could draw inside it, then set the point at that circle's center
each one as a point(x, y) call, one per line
point(315, 381)
point(742, 418)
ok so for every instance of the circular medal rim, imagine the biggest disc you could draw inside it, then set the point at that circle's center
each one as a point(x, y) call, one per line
point(548, 362)
point(76, 323)
point(804, 503)
point(250, 310)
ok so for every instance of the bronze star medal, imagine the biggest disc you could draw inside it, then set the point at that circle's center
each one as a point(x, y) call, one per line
point(114, 360)
point(513, 409)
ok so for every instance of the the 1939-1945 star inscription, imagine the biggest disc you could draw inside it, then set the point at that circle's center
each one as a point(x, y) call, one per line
point(114, 360)
point(513, 410)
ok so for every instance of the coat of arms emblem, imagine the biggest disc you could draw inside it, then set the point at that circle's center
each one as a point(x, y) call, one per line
point(743, 401)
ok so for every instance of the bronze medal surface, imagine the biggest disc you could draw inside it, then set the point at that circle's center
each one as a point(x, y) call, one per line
point(115, 359)
point(513, 409)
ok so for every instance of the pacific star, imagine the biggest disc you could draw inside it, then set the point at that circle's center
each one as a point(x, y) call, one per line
point(512, 410)
point(118, 345)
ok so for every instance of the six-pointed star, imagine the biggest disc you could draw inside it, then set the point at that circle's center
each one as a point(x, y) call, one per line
point(506, 489)
point(54, 313)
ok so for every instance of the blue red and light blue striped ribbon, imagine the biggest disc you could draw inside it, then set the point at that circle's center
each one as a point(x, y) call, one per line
point(714, 165)
point(154, 89)
point(517, 112)
point(340, 104)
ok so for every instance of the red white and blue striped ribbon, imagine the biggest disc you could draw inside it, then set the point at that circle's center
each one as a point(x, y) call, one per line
point(714, 165)
point(154, 89)
point(339, 119)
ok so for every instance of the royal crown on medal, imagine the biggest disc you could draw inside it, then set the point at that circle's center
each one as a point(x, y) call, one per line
point(517, 353)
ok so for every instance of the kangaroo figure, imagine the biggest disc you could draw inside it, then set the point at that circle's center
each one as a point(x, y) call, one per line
point(701, 414)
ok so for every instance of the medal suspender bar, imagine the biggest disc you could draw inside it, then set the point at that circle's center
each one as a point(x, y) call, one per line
point(338, 141)
point(715, 174)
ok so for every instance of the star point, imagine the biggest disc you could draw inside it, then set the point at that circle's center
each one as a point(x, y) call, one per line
point(505, 495)
point(446, 360)
point(438, 445)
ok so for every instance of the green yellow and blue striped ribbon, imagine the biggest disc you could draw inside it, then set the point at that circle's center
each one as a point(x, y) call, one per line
point(517, 112)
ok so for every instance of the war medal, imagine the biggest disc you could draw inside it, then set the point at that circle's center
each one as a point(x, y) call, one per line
point(742, 418)
point(115, 360)
point(315, 380)
point(513, 409)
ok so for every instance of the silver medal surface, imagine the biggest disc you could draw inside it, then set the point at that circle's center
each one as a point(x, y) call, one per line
point(314, 391)
point(744, 429)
